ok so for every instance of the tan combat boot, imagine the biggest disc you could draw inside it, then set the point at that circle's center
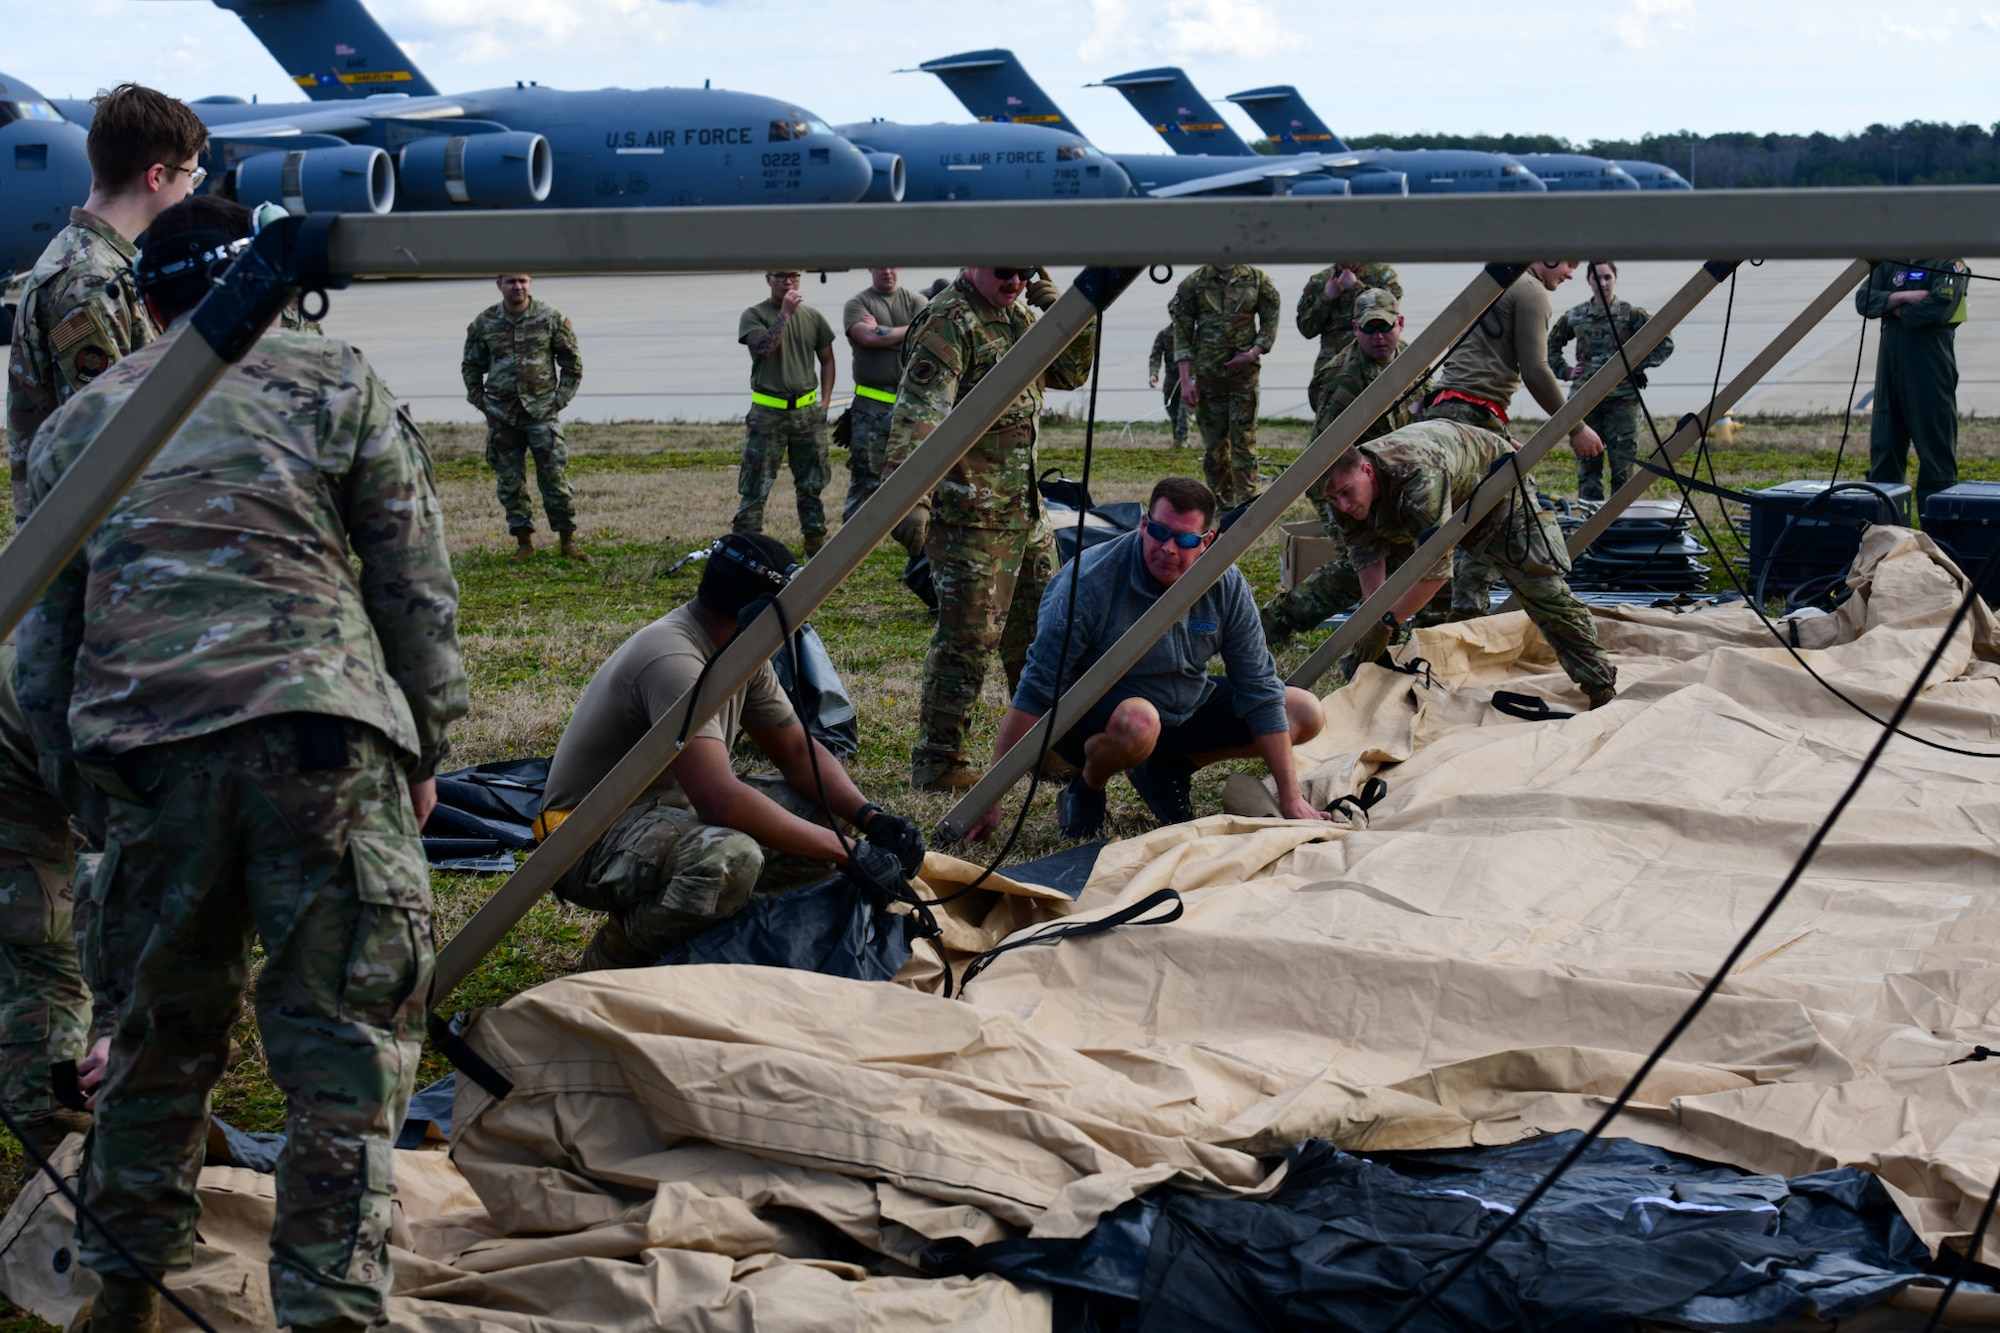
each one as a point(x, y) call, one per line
point(524, 548)
point(123, 1304)
point(611, 948)
point(569, 550)
point(813, 542)
point(956, 776)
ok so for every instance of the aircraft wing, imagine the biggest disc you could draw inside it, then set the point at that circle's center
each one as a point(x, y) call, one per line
point(336, 118)
point(1302, 164)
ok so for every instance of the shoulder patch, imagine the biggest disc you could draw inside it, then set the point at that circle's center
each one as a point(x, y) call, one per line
point(79, 326)
point(91, 361)
point(938, 346)
point(923, 370)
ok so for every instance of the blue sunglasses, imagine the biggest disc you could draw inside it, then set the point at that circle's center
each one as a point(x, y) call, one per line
point(1160, 532)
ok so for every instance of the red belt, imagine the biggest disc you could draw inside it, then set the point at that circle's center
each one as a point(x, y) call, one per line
point(1448, 395)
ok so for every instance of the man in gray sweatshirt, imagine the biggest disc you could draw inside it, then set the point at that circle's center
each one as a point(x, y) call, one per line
point(1167, 717)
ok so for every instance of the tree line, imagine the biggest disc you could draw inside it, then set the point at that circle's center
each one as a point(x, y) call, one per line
point(1918, 152)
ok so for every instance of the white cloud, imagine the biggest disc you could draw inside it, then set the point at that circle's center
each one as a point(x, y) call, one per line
point(1641, 25)
point(1109, 35)
point(1238, 29)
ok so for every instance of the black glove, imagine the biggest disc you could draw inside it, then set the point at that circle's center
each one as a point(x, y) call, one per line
point(899, 837)
point(879, 875)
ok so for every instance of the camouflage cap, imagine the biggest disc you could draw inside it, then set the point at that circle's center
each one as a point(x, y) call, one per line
point(1377, 305)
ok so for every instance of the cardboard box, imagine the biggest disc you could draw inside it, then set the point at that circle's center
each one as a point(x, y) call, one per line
point(1306, 547)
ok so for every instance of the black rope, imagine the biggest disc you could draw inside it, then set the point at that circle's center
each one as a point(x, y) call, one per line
point(1722, 972)
point(1847, 420)
point(88, 1215)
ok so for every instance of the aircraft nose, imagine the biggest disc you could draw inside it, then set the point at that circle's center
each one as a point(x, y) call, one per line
point(1117, 183)
point(849, 173)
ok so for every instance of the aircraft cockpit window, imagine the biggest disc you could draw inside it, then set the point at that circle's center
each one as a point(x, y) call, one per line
point(818, 127)
point(42, 111)
point(785, 130)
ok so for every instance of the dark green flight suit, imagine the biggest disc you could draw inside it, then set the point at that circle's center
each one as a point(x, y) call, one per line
point(1916, 371)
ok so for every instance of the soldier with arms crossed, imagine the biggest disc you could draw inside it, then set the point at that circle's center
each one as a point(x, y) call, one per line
point(255, 659)
point(877, 320)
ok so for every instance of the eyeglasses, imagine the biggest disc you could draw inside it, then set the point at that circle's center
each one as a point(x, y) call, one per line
point(1160, 532)
point(1377, 326)
point(195, 175)
point(1016, 274)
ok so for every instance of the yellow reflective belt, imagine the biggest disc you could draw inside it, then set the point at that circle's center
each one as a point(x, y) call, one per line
point(879, 395)
point(548, 822)
point(806, 399)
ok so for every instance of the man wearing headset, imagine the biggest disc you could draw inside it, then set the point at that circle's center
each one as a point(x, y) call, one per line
point(254, 659)
point(1167, 716)
point(1388, 493)
point(701, 843)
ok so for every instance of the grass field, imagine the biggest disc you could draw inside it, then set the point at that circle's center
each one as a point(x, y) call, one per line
point(648, 494)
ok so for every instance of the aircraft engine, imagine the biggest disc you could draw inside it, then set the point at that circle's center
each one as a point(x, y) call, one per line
point(886, 186)
point(1379, 182)
point(507, 170)
point(356, 179)
point(1313, 186)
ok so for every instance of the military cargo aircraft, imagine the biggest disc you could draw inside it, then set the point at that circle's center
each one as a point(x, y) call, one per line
point(994, 86)
point(43, 174)
point(1179, 114)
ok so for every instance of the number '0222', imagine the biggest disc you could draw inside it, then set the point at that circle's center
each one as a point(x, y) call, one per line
point(781, 159)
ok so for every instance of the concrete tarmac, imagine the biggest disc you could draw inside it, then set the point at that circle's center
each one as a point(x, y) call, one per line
point(663, 347)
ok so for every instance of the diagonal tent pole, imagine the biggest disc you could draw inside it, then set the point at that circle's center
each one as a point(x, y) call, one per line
point(1228, 547)
point(1500, 483)
point(1694, 428)
point(753, 645)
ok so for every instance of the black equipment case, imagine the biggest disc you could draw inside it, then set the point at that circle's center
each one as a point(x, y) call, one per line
point(1965, 521)
point(1801, 531)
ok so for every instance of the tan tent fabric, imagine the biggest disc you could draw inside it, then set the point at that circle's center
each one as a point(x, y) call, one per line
point(1485, 955)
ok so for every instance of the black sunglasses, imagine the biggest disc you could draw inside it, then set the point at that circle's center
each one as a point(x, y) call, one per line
point(1010, 274)
point(1160, 532)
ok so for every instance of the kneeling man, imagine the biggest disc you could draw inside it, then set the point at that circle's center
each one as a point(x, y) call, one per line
point(1388, 494)
point(1168, 716)
point(702, 842)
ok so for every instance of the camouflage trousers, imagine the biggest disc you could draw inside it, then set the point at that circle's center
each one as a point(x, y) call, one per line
point(1177, 412)
point(989, 586)
point(44, 1009)
point(1331, 589)
point(666, 876)
point(777, 435)
point(1227, 415)
point(867, 451)
point(507, 451)
point(213, 842)
point(1523, 544)
point(1616, 420)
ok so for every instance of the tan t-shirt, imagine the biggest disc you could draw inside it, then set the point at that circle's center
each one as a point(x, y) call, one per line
point(880, 367)
point(1507, 348)
point(794, 367)
point(633, 689)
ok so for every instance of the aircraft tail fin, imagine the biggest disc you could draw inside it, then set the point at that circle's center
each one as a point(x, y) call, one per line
point(1287, 121)
point(993, 85)
point(333, 49)
point(1178, 113)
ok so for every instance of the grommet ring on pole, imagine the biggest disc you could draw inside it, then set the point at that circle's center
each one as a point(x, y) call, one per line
point(1162, 279)
point(306, 312)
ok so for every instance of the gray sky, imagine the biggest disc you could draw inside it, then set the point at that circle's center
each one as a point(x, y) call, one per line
point(1616, 69)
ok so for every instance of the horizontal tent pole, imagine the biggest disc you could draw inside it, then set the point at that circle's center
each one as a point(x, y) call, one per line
point(1694, 428)
point(1228, 547)
point(1499, 484)
point(1664, 224)
point(754, 644)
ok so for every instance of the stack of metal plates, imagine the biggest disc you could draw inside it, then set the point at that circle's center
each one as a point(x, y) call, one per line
point(1647, 549)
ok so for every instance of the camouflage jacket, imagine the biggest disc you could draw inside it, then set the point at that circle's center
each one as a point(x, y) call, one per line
point(78, 314)
point(511, 363)
point(1162, 355)
point(32, 822)
point(1422, 473)
point(1332, 322)
point(1945, 279)
point(284, 553)
point(950, 347)
point(1597, 344)
point(1215, 317)
point(1355, 373)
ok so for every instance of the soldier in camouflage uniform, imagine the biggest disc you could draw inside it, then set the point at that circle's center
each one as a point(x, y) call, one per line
point(1377, 340)
point(1326, 311)
point(1598, 336)
point(1162, 357)
point(990, 546)
point(263, 703)
point(1386, 493)
point(78, 313)
point(521, 368)
point(44, 1010)
point(787, 418)
point(1225, 320)
point(701, 844)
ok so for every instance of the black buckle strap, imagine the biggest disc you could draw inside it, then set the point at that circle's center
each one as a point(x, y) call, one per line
point(1057, 931)
point(466, 1060)
point(1527, 707)
point(1357, 805)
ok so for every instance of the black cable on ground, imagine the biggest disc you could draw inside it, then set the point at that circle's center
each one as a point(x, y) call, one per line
point(1847, 421)
point(1965, 1261)
point(85, 1214)
point(1722, 972)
